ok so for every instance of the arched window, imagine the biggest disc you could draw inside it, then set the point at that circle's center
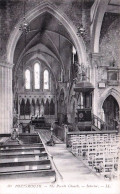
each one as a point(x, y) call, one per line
point(46, 80)
point(27, 79)
point(37, 76)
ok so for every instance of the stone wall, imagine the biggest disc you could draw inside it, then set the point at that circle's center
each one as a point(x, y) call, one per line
point(110, 45)
point(108, 57)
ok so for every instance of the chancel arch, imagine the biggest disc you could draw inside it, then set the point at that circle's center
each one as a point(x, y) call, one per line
point(48, 64)
point(61, 17)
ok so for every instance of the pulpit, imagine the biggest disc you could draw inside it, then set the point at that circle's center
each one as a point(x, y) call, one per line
point(83, 90)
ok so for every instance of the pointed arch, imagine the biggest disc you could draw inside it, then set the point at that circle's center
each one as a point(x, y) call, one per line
point(46, 84)
point(47, 108)
point(57, 13)
point(27, 79)
point(38, 58)
point(22, 107)
point(111, 91)
point(52, 107)
point(97, 14)
point(27, 107)
point(37, 76)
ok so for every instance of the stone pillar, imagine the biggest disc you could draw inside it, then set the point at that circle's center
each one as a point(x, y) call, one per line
point(6, 99)
point(96, 62)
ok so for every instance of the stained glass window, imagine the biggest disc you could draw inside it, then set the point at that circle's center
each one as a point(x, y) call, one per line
point(27, 79)
point(46, 79)
point(37, 76)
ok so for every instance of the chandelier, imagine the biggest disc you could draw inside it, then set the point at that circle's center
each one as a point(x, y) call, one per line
point(24, 27)
point(80, 30)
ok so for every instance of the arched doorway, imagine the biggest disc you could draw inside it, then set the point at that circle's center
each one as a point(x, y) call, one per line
point(111, 110)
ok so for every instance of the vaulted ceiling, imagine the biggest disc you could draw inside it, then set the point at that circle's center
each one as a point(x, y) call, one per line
point(47, 32)
point(114, 6)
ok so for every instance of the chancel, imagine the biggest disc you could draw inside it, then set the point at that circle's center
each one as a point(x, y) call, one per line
point(59, 87)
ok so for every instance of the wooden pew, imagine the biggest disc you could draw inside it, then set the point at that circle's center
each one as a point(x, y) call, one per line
point(10, 146)
point(27, 160)
point(15, 151)
point(25, 166)
point(49, 175)
point(22, 158)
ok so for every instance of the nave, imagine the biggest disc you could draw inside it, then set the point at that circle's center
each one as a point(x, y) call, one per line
point(78, 158)
point(69, 168)
point(59, 92)
point(44, 164)
point(28, 162)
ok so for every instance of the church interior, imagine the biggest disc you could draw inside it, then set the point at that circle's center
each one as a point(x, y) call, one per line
point(59, 90)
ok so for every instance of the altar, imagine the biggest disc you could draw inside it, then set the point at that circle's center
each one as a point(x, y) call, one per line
point(39, 122)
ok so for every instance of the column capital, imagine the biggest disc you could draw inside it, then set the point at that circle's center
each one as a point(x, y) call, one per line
point(96, 59)
point(6, 64)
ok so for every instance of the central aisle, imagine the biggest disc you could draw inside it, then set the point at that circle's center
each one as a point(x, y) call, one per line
point(69, 168)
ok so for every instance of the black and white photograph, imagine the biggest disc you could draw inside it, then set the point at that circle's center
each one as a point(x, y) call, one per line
point(60, 96)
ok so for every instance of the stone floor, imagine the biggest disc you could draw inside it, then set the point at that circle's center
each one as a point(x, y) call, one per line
point(69, 168)
point(46, 135)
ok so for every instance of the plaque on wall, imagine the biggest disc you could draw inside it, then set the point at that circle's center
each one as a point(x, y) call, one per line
point(113, 76)
point(101, 85)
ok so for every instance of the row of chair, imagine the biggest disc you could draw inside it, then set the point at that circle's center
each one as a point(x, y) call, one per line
point(100, 151)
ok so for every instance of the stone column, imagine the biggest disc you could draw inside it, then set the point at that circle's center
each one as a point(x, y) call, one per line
point(6, 98)
point(96, 62)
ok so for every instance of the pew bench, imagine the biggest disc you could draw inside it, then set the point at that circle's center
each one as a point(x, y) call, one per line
point(11, 146)
point(15, 151)
point(22, 158)
point(26, 160)
point(42, 175)
point(25, 166)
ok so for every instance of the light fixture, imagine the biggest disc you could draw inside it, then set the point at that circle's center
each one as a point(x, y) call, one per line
point(24, 26)
point(80, 30)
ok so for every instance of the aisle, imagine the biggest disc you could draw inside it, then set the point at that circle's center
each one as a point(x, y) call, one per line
point(46, 134)
point(69, 167)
